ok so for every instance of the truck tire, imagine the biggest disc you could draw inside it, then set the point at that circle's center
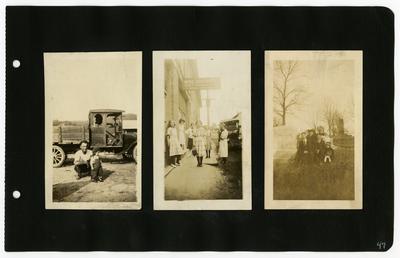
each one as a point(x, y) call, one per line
point(134, 153)
point(58, 156)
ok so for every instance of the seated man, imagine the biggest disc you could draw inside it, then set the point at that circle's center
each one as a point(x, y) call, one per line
point(82, 159)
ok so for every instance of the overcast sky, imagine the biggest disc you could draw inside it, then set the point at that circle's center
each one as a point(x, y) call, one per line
point(233, 69)
point(324, 80)
point(78, 82)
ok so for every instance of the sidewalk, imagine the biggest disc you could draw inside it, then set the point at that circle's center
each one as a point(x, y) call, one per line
point(169, 168)
point(189, 182)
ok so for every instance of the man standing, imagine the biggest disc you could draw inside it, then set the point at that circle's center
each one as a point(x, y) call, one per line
point(312, 142)
point(82, 159)
point(301, 147)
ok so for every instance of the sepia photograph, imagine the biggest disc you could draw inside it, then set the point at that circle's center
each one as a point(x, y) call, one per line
point(313, 133)
point(93, 130)
point(202, 130)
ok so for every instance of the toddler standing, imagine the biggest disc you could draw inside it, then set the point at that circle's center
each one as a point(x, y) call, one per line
point(95, 164)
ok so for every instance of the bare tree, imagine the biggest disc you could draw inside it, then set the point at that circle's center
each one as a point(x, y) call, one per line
point(286, 93)
point(314, 119)
point(331, 115)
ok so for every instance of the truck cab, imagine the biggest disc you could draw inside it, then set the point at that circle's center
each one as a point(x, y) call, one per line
point(106, 128)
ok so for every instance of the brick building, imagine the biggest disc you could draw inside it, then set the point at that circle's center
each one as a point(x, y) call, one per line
point(179, 102)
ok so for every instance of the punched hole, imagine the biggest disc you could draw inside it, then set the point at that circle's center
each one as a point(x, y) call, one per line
point(16, 63)
point(16, 194)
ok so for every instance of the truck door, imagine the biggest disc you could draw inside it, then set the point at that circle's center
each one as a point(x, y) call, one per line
point(97, 130)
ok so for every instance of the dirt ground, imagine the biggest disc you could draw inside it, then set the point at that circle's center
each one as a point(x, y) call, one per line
point(332, 181)
point(119, 183)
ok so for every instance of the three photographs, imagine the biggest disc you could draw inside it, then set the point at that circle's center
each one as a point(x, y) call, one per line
point(202, 130)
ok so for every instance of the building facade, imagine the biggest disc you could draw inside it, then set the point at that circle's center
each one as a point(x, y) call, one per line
point(179, 102)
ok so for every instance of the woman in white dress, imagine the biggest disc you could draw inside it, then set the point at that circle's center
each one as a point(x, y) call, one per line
point(199, 143)
point(173, 144)
point(223, 144)
point(182, 136)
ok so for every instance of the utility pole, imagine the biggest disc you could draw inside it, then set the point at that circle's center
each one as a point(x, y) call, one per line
point(199, 84)
point(208, 102)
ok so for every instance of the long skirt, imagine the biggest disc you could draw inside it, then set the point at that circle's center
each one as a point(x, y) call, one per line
point(223, 148)
point(199, 142)
point(174, 148)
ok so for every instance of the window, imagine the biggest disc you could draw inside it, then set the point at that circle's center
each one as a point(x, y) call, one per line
point(98, 120)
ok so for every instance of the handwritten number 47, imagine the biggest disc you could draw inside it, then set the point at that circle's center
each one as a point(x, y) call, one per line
point(381, 245)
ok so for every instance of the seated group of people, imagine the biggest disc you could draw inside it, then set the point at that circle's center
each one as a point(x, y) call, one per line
point(314, 147)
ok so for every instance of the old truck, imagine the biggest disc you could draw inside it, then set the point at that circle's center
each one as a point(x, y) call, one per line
point(104, 130)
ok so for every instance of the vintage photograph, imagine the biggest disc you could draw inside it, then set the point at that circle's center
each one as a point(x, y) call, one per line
point(202, 130)
point(93, 130)
point(313, 133)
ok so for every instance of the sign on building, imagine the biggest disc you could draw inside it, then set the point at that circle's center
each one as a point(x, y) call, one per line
point(202, 84)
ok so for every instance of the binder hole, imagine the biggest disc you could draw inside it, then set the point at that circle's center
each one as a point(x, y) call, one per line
point(16, 194)
point(16, 63)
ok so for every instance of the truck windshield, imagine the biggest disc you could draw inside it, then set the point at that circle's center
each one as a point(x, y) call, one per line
point(114, 120)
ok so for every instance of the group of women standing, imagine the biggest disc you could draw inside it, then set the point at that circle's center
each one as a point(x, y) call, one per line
point(199, 141)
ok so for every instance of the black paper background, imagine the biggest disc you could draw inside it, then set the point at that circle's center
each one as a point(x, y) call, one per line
point(30, 31)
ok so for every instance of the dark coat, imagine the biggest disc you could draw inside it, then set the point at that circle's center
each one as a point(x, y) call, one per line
point(301, 146)
point(312, 143)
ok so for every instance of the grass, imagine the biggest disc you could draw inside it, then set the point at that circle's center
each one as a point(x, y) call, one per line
point(232, 172)
point(331, 181)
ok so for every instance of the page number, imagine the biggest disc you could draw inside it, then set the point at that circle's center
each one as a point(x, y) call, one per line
point(381, 245)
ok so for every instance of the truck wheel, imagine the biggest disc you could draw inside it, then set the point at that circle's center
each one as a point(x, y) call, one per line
point(58, 156)
point(134, 153)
